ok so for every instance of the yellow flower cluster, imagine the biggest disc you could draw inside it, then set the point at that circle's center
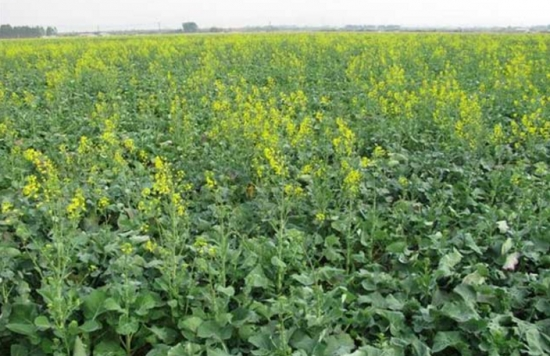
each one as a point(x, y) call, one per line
point(32, 187)
point(77, 205)
point(345, 142)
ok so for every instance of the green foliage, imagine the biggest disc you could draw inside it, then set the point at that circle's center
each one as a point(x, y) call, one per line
point(319, 195)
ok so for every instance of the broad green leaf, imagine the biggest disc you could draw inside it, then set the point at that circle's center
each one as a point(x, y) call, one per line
point(448, 262)
point(511, 262)
point(108, 348)
point(112, 305)
point(42, 323)
point(164, 334)
point(127, 325)
point(217, 352)
point(93, 304)
point(21, 320)
point(256, 278)
point(191, 323)
point(18, 350)
point(79, 349)
point(338, 345)
point(303, 279)
point(460, 312)
point(446, 339)
point(208, 329)
point(90, 326)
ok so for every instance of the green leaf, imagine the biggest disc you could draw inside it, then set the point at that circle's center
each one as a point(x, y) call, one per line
point(262, 341)
point(446, 339)
point(145, 302)
point(216, 352)
point(79, 349)
point(90, 326)
point(164, 334)
point(42, 323)
point(108, 348)
point(18, 350)
point(21, 320)
point(420, 348)
point(127, 325)
point(112, 305)
point(93, 304)
point(213, 330)
point(397, 247)
point(303, 279)
point(503, 228)
point(192, 323)
point(187, 349)
point(460, 312)
point(227, 291)
point(276, 261)
point(448, 262)
point(9, 252)
point(256, 278)
point(338, 345)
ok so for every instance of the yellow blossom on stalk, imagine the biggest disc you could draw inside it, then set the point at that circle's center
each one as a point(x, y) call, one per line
point(344, 143)
point(292, 190)
point(516, 179)
point(379, 152)
point(129, 144)
point(32, 187)
point(320, 217)
point(307, 169)
point(7, 207)
point(127, 248)
point(275, 161)
point(163, 180)
point(177, 202)
point(142, 155)
point(118, 158)
point(498, 134)
point(351, 182)
point(77, 205)
point(103, 203)
point(403, 181)
point(210, 181)
point(365, 162)
point(3, 129)
point(83, 145)
point(150, 246)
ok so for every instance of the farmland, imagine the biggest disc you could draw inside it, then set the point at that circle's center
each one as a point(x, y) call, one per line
point(269, 194)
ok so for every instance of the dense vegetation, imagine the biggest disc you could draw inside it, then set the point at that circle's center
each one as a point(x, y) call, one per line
point(327, 194)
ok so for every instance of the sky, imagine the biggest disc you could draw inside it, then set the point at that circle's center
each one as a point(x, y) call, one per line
point(88, 15)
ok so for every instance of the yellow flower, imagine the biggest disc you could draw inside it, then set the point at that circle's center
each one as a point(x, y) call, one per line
point(365, 162)
point(150, 246)
point(210, 181)
point(77, 205)
point(129, 144)
point(320, 217)
point(126, 248)
point(351, 182)
point(7, 207)
point(103, 203)
point(32, 187)
point(403, 181)
point(379, 152)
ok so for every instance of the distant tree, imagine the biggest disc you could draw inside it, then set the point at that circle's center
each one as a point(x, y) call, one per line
point(190, 27)
point(51, 31)
point(7, 31)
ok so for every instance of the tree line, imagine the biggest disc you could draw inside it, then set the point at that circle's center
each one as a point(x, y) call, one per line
point(8, 31)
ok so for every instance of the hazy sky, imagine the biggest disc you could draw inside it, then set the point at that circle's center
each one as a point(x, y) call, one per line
point(126, 14)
